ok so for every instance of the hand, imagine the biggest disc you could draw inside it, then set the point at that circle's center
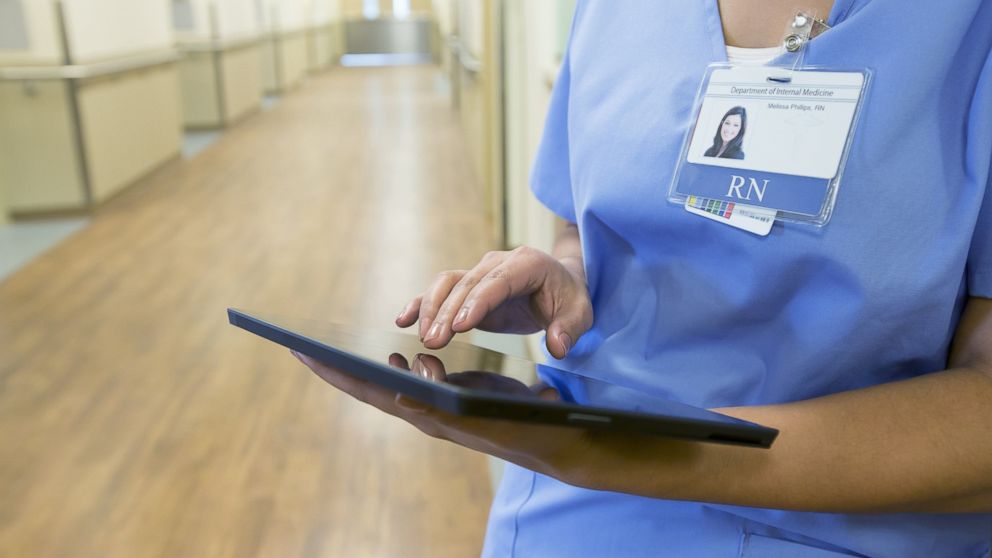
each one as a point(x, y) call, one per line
point(552, 450)
point(431, 368)
point(521, 291)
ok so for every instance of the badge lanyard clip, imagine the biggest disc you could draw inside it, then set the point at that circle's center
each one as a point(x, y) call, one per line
point(801, 30)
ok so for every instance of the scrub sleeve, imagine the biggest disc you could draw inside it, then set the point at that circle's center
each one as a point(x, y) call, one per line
point(550, 178)
point(980, 258)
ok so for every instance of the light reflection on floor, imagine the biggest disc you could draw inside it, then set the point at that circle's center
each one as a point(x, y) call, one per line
point(22, 242)
point(195, 143)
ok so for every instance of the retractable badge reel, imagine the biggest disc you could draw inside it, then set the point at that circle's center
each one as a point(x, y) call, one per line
point(770, 143)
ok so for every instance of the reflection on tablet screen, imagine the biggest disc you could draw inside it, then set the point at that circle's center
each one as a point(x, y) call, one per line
point(472, 367)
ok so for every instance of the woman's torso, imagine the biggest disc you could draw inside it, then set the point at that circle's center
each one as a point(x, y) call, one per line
point(706, 314)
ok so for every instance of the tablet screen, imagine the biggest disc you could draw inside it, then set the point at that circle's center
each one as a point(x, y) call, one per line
point(472, 367)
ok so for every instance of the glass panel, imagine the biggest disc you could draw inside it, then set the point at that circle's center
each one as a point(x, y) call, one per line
point(401, 8)
point(370, 9)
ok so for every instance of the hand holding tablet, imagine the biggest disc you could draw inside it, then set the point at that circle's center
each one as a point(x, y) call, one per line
point(552, 450)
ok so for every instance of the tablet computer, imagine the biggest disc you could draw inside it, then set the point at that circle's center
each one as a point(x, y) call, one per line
point(485, 383)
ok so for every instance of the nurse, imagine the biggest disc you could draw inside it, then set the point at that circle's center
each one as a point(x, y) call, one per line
point(868, 342)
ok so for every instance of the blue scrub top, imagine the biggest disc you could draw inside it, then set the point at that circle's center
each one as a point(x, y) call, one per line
point(713, 316)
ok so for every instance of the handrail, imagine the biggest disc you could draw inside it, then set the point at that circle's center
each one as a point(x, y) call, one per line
point(470, 63)
point(217, 45)
point(415, 17)
point(86, 71)
point(279, 34)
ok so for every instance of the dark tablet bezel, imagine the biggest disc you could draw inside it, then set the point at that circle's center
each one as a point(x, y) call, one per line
point(472, 402)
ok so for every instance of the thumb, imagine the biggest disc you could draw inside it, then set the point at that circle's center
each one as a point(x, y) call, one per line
point(563, 333)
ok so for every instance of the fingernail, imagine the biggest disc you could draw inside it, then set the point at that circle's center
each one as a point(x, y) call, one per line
point(410, 404)
point(424, 325)
point(434, 332)
point(565, 340)
point(462, 315)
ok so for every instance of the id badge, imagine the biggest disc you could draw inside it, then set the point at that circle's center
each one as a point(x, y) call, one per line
point(770, 141)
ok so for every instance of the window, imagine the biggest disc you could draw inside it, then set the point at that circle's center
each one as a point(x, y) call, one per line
point(370, 9)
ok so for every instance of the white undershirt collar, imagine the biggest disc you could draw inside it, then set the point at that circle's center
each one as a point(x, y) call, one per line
point(753, 56)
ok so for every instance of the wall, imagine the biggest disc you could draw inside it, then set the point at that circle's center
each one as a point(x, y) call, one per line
point(94, 29)
point(237, 19)
point(536, 36)
point(443, 11)
point(197, 80)
point(38, 25)
point(131, 124)
point(106, 29)
point(480, 98)
point(129, 120)
point(224, 25)
point(232, 19)
point(283, 16)
point(353, 9)
point(322, 47)
point(191, 19)
point(284, 52)
point(242, 75)
point(38, 166)
point(284, 61)
point(4, 217)
point(472, 25)
point(565, 11)
point(319, 13)
point(531, 51)
point(293, 50)
point(271, 82)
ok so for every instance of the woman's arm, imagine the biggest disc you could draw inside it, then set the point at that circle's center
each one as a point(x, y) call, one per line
point(568, 250)
point(919, 445)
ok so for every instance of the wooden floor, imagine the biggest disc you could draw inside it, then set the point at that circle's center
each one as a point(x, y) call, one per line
point(134, 421)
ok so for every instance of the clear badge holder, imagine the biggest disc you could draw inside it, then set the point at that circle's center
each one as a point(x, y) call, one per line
point(770, 143)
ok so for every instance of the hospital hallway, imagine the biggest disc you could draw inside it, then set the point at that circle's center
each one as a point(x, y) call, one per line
point(135, 421)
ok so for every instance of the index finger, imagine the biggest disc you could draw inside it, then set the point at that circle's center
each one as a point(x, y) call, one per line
point(514, 277)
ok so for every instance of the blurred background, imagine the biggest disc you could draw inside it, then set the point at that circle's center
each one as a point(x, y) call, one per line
point(162, 160)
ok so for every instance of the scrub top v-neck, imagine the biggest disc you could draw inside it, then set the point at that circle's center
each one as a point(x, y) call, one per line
point(699, 312)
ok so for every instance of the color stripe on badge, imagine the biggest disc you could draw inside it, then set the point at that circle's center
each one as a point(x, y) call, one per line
point(718, 208)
